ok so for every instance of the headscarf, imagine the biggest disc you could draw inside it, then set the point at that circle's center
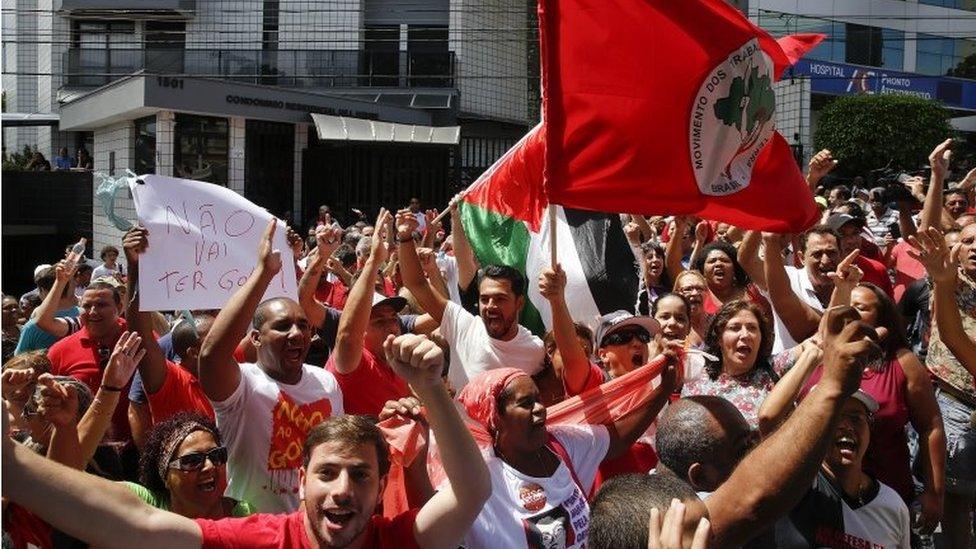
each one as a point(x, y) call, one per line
point(176, 438)
point(480, 396)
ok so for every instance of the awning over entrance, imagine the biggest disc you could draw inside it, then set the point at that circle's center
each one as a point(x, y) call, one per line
point(343, 128)
point(18, 119)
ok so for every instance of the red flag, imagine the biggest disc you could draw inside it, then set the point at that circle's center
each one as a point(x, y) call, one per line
point(667, 107)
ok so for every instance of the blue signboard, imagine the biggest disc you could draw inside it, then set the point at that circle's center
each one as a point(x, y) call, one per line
point(841, 79)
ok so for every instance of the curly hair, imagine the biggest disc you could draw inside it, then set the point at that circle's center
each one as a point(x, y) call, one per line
point(741, 278)
point(713, 337)
point(152, 455)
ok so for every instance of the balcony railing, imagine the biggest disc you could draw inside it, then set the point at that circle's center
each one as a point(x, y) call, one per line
point(287, 68)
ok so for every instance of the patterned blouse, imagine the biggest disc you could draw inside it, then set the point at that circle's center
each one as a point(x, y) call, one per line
point(747, 391)
point(940, 361)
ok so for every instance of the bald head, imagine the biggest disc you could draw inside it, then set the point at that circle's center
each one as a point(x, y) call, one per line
point(701, 439)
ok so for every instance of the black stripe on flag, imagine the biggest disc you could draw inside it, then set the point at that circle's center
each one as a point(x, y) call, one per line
point(608, 264)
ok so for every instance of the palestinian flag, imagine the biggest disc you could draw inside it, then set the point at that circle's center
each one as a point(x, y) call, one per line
point(505, 218)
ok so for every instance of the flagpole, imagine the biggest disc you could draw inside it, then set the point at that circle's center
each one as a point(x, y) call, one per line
point(552, 235)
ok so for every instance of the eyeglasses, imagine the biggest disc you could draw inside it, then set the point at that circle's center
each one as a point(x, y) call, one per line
point(625, 337)
point(194, 462)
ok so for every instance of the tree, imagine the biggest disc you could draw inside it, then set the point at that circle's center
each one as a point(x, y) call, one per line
point(18, 161)
point(867, 132)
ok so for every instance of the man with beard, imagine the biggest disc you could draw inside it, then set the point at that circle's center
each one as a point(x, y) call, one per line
point(494, 339)
point(266, 409)
point(846, 507)
point(798, 296)
point(343, 466)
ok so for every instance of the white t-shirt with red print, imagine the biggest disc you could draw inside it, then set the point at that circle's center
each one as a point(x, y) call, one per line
point(264, 425)
point(551, 512)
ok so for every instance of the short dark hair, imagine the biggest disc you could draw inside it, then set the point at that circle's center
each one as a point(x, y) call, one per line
point(352, 430)
point(45, 279)
point(108, 249)
point(346, 256)
point(116, 294)
point(821, 230)
point(683, 299)
point(843, 190)
point(187, 334)
point(83, 267)
point(152, 454)
point(261, 312)
point(504, 272)
point(741, 278)
point(622, 508)
point(582, 331)
point(683, 438)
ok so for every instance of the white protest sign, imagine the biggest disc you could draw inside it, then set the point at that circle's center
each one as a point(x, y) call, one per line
point(203, 242)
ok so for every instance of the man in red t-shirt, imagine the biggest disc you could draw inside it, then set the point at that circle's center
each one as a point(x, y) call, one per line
point(84, 354)
point(345, 460)
point(849, 228)
point(170, 388)
point(357, 362)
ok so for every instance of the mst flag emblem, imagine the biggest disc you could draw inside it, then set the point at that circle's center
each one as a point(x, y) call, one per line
point(732, 120)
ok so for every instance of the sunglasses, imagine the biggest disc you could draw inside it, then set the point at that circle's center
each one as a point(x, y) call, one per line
point(194, 462)
point(625, 337)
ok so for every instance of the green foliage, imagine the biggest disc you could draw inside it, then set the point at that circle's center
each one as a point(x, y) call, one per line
point(866, 132)
point(17, 161)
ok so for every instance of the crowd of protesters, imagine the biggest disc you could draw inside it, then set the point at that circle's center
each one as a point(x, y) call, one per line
point(815, 390)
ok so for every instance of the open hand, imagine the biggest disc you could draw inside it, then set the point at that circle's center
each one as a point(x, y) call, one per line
point(125, 357)
point(931, 250)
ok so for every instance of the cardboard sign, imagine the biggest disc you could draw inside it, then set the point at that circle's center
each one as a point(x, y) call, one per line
point(203, 242)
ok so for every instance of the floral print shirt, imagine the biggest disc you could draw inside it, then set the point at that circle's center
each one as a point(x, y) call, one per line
point(940, 361)
point(747, 391)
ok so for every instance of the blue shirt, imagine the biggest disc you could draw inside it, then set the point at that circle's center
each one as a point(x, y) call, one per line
point(64, 162)
point(33, 338)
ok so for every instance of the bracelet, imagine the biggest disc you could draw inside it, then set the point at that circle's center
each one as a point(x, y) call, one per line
point(111, 389)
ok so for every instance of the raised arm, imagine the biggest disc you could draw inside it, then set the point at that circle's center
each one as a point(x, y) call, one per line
point(428, 260)
point(942, 265)
point(447, 516)
point(626, 430)
point(153, 366)
point(411, 270)
point(326, 241)
point(574, 368)
point(81, 505)
point(845, 278)
point(672, 252)
point(128, 352)
point(463, 253)
point(219, 372)
point(355, 315)
point(820, 165)
point(932, 207)
point(780, 402)
point(800, 319)
point(769, 481)
point(748, 256)
point(59, 327)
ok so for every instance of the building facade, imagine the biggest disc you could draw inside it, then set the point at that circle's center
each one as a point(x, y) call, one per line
point(224, 91)
point(925, 48)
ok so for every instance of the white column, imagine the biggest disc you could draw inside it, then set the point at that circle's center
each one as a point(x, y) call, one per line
point(165, 142)
point(235, 172)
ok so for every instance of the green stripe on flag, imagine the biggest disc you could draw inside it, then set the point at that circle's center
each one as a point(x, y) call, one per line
point(501, 240)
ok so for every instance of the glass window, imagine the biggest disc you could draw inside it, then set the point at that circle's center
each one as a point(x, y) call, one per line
point(202, 148)
point(832, 48)
point(892, 49)
point(938, 55)
point(145, 153)
point(968, 5)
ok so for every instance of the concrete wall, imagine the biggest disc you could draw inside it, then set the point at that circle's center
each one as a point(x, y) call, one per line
point(489, 37)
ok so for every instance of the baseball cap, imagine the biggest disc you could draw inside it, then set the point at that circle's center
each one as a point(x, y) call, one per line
point(836, 221)
point(616, 320)
point(110, 280)
point(821, 201)
point(862, 397)
point(40, 269)
point(396, 302)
